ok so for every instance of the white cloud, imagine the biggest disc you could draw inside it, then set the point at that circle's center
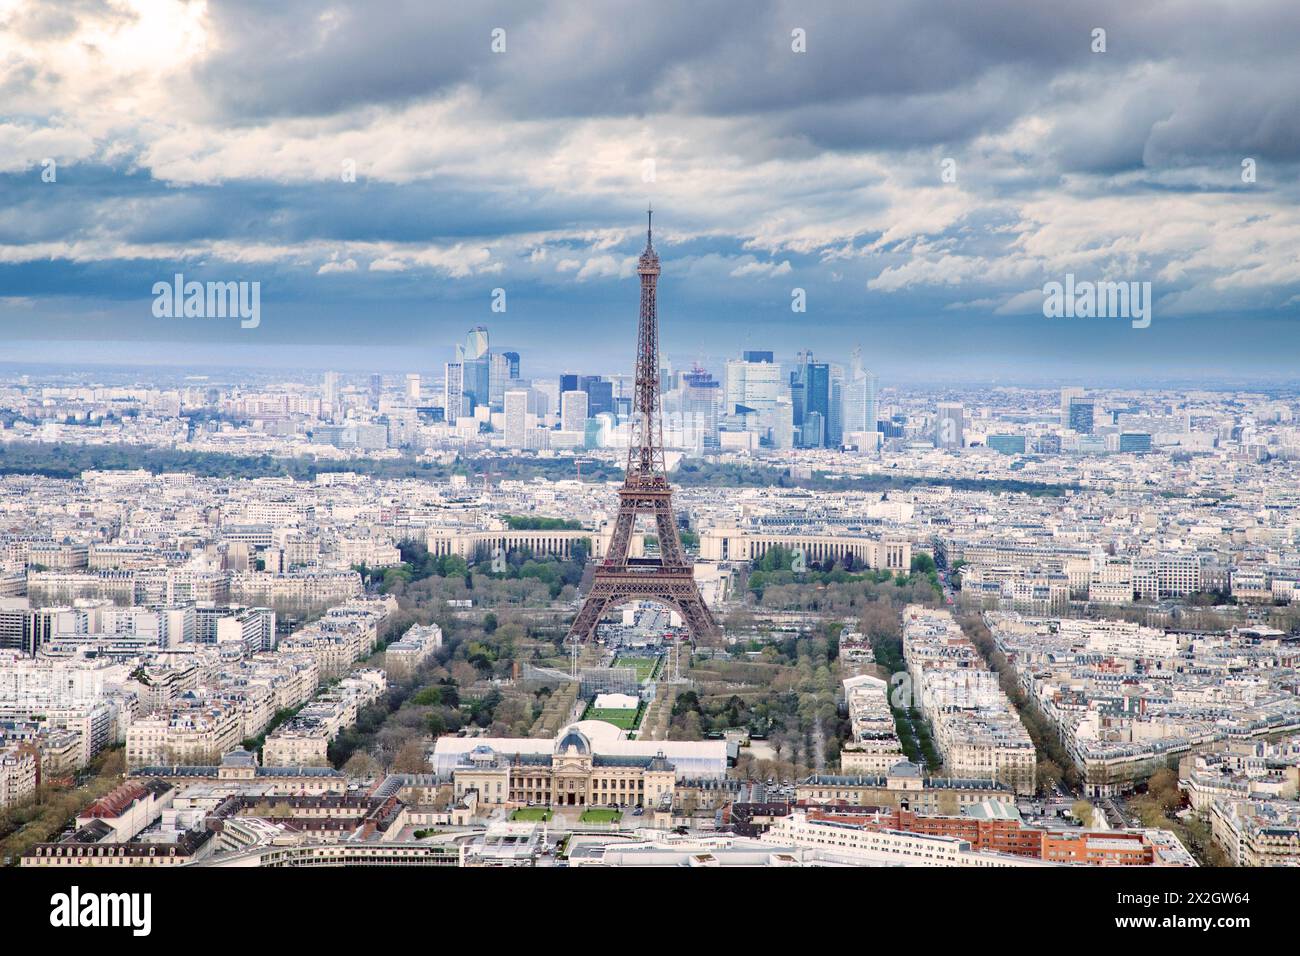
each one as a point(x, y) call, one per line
point(767, 270)
point(346, 265)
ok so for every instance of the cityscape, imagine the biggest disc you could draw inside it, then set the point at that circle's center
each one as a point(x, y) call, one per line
point(608, 527)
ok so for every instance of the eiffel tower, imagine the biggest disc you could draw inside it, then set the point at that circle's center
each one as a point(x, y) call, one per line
point(667, 579)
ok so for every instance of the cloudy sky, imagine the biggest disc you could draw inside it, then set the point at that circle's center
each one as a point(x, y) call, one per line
point(213, 139)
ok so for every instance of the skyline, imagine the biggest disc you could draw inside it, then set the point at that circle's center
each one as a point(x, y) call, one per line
point(772, 170)
point(861, 439)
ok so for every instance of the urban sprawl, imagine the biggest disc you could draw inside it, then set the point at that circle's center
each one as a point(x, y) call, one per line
point(321, 620)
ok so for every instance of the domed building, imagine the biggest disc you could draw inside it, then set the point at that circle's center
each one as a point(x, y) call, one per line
point(589, 763)
point(573, 741)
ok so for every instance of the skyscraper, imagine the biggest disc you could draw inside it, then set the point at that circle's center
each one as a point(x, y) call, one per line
point(475, 370)
point(453, 394)
point(783, 425)
point(573, 411)
point(699, 402)
point(1067, 395)
point(948, 428)
point(812, 433)
point(476, 342)
point(413, 386)
point(752, 382)
point(516, 412)
point(330, 395)
point(1080, 415)
point(498, 378)
point(835, 424)
point(860, 410)
point(600, 395)
point(810, 391)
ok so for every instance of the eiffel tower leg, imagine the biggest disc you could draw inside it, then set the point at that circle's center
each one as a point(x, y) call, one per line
point(584, 625)
point(697, 616)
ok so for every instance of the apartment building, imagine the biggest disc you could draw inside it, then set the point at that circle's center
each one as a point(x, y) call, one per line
point(977, 731)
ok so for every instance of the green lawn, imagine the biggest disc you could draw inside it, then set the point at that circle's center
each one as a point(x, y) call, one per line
point(531, 814)
point(601, 815)
point(645, 666)
point(623, 719)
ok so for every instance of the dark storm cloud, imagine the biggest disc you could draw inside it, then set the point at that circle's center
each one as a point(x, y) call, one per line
point(892, 74)
point(96, 200)
point(777, 169)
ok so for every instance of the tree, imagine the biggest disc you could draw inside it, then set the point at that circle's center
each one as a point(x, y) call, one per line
point(361, 765)
point(410, 758)
point(1163, 789)
point(1049, 775)
point(1082, 811)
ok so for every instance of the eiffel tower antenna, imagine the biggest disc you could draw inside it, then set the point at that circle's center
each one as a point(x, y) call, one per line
point(668, 579)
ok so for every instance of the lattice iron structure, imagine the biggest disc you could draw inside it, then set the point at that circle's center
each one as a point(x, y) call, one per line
point(667, 579)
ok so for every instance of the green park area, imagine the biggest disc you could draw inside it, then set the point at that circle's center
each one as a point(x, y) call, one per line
point(531, 815)
point(620, 718)
point(601, 815)
point(644, 666)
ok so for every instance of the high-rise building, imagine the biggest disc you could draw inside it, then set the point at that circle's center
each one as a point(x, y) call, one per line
point(948, 426)
point(330, 395)
point(600, 395)
point(476, 343)
point(810, 391)
point(376, 388)
point(1068, 395)
point(783, 425)
point(474, 360)
point(753, 383)
point(546, 394)
point(512, 363)
point(516, 412)
point(1135, 442)
point(573, 411)
point(812, 433)
point(453, 394)
point(477, 381)
point(413, 386)
point(1079, 417)
point(835, 423)
point(569, 383)
point(700, 400)
point(498, 379)
point(1007, 444)
point(16, 625)
point(861, 413)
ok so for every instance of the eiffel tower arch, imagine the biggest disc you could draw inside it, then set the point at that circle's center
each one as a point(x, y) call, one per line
point(669, 578)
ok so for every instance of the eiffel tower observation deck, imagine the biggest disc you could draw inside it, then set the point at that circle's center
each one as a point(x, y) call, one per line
point(667, 579)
